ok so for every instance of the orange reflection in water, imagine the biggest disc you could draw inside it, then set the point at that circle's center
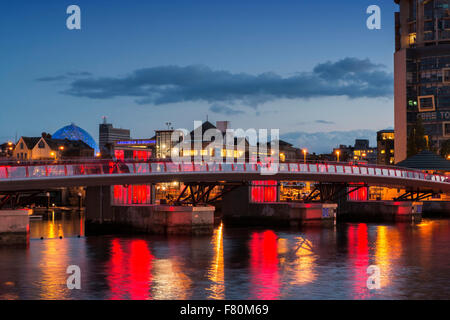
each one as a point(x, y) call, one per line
point(358, 252)
point(388, 248)
point(264, 266)
point(53, 263)
point(130, 274)
point(216, 272)
point(304, 263)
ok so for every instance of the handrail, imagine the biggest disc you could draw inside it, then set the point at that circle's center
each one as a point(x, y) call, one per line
point(101, 167)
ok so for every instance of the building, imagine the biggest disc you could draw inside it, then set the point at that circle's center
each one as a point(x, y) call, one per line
point(287, 152)
point(422, 72)
point(6, 149)
point(47, 148)
point(164, 143)
point(135, 149)
point(361, 151)
point(385, 147)
point(238, 149)
point(108, 135)
point(73, 132)
point(24, 148)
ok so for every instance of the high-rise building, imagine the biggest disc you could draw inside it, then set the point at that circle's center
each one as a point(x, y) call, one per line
point(385, 147)
point(422, 71)
point(108, 135)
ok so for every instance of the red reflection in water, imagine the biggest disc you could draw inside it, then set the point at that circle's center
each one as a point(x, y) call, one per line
point(130, 271)
point(264, 266)
point(358, 251)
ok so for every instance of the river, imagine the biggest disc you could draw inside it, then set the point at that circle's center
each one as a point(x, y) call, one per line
point(234, 263)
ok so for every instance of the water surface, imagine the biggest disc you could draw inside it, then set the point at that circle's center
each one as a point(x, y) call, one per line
point(414, 260)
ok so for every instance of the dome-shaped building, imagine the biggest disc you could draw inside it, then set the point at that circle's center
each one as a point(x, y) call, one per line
point(73, 132)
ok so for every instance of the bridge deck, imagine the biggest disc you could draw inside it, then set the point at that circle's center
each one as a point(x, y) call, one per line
point(39, 176)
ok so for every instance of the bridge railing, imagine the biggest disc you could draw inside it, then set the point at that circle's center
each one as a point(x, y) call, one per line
point(146, 168)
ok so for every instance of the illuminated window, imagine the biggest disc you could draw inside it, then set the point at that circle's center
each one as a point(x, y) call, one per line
point(412, 38)
point(426, 103)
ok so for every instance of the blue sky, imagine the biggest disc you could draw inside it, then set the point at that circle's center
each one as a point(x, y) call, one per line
point(310, 68)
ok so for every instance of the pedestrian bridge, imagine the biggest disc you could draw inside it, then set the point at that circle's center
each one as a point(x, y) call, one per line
point(36, 176)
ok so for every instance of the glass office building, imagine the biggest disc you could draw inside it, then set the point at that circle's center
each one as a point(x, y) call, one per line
point(422, 71)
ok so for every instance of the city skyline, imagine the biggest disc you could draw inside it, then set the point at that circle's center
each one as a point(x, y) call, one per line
point(341, 92)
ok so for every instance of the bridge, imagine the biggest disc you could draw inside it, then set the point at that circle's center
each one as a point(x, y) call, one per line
point(34, 176)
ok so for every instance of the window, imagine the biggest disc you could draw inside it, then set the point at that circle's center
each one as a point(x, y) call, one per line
point(426, 103)
point(21, 146)
point(446, 129)
point(446, 75)
point(41, 145)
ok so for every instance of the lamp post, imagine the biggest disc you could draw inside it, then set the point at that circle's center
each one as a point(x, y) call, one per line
point(305, 151)
point(338, 153)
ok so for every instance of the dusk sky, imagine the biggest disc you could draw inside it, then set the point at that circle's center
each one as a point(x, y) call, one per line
point(310, 68)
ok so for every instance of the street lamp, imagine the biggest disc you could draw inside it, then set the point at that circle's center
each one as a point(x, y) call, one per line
point(338, 153)
point(305, 151)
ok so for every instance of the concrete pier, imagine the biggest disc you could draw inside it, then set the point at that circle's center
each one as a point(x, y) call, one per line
point(237, 209)
point(14, 227)
point(436, 208)
point(286, 214)
point(380, 211)
point(165, 219)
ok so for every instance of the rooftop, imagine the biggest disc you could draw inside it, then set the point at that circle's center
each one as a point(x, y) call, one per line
point(426, 160)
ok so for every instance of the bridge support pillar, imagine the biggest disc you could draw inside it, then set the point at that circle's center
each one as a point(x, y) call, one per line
point(381, 211)
point(436, 208)
point(98, 209)
point(14, 227)
point(165, 219)
point(237, 209)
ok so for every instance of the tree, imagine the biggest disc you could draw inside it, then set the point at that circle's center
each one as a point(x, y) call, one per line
point(417, 141)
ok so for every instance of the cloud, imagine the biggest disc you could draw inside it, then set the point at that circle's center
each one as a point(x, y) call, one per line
point(221, 109)
point(50, 78)
point(68, 75)
point(324, 142)
point(324, 122)
point(350, 77)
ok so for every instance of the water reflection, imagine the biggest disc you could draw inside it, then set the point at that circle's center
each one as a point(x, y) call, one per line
point(304, 263)
point(56, 224)
point(130, 273)
point(236, 264)
point(217, 273)
point(358, 254)
point(388, 248)
point(264, 277)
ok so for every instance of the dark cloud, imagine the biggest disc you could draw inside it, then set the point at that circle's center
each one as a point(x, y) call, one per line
point(324, 142)
point(50, 79)
point(221, 109)
point(324, 122)
point(350, 77)
point(68, 75)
